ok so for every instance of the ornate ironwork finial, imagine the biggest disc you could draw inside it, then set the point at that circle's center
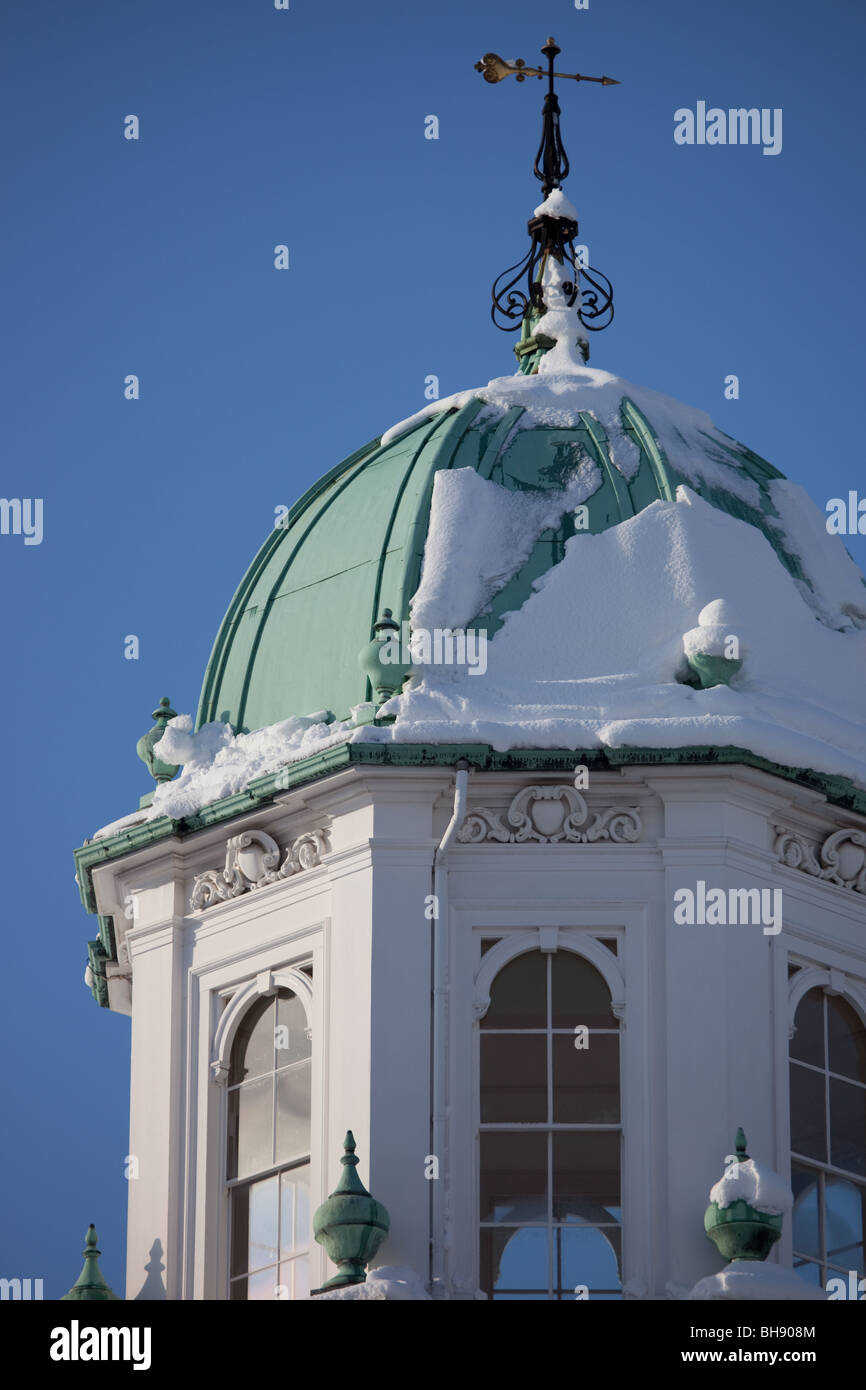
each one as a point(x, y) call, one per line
point(553, 230)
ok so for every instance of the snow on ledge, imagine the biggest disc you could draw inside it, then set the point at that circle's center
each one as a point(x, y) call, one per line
point(388, 1283)
point(754, 1281)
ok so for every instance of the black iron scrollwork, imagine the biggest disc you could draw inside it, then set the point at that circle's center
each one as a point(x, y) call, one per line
point(517, 293)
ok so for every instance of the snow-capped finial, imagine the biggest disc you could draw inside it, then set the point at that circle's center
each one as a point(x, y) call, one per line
point(161, 772)
point(552, 229)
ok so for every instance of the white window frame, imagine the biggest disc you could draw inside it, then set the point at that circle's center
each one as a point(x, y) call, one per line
point(492, 964)
point(626, 975)
point(837, 984)
point(218, 995)
point(266, 986)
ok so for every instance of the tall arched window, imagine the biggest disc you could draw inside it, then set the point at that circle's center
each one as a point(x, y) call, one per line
point(550, 1132)
point(269, 1151)
point(828, 1138)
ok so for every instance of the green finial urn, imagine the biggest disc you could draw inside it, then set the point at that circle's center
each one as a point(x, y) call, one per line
point(161, 772)
point(381, 659)
point(90, 1286)
point(351, 1224)
point(739, 1230)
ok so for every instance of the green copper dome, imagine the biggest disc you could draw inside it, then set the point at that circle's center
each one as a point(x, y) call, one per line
point(353, 545)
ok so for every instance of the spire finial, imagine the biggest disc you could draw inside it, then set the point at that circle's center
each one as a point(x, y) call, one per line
point(90, 1286)
point(554, 226)
point(351, 1224)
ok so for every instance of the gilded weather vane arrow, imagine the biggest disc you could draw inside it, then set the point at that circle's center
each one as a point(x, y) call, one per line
point(552, 234)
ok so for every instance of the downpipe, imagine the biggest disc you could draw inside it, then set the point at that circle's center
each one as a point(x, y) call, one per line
point(440, 1219)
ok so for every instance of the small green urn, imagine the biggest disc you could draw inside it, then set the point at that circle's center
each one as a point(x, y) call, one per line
point(382, 659)
point(351, 1224)
point(714, 670)
point(90, 1286)
point(740, 1231)
point(161, 772)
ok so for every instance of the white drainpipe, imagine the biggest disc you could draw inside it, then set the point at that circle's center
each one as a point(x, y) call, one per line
point(440, 1205)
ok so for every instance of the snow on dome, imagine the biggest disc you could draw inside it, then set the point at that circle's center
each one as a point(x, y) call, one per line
point(556, 205)
point(556, 398)
point(748, 1181)
point(594, 657)
point(498, 529)
point(837, 592)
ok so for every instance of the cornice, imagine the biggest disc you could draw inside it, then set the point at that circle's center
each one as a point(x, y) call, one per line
point(807, 791)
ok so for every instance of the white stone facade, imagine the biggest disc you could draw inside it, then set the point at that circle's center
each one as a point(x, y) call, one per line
point(339, 875)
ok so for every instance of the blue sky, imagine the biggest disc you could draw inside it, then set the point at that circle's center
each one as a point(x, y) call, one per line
point(155, 257)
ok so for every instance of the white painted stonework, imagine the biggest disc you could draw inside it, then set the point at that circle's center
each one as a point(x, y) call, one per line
point(338, 874)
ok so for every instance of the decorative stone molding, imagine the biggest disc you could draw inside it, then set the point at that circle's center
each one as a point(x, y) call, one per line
point(538, 938)
point(251, 862)
point(549, 816)
point(265, 984)
point(841, 859)
point(833, 982)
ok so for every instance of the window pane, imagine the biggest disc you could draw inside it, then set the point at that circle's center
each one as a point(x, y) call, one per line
point(845, 1201)
point(293, 1112)
point(513, 1077)
point(806, 1237)
point(240, 1232)
point(292, 1043)
point(807, 1044)
point(589, 1257)
point(807, 1112)
point(515, 1258)
point(253, 1104)
point(294, 1210)
point(847, 1039)
point(579, 993)
point(851, 1258)
point(262, 1285)
point(518, 998)
point(253, 1048)
point(848, 1126)
point(263, 1215)
point(586, 1178)
point(301, 1275)
point(810, 1272)
point(586, 1080)
point(514, 1177)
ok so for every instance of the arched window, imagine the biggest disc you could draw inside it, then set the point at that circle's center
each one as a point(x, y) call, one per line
point(828, 1138)
point(550, 1133)
point(269, 1151)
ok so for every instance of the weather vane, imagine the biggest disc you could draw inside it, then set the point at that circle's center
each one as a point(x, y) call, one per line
point(551, 235)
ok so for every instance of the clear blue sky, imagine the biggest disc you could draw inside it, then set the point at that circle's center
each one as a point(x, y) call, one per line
point(155, 257)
